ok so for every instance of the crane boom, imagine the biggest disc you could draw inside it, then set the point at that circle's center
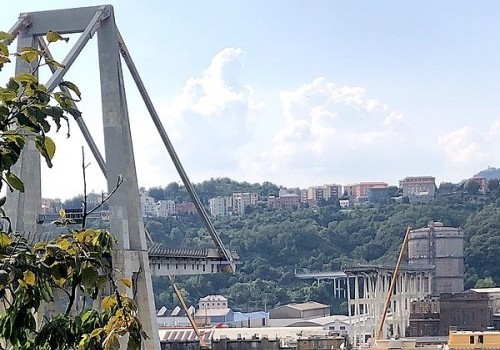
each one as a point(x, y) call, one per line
point(393, 283)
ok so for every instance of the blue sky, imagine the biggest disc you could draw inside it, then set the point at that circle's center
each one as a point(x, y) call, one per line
point(298, 92)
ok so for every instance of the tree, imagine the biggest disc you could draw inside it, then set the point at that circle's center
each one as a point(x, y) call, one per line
point(493, 185)
point(486, 282)
point(74, 264)
point(472, 187)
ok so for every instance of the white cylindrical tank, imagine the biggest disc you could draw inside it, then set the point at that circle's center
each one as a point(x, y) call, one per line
point(442, 248)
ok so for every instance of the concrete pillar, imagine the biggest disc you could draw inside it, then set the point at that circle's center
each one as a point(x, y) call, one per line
point(125, 218)
point(23, 208)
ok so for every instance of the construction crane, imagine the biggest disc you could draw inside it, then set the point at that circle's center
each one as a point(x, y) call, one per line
point(188, 314)
point(393, 284)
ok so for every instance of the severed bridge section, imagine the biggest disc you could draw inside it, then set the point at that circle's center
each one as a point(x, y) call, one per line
point(365, 288)
point(165, 261)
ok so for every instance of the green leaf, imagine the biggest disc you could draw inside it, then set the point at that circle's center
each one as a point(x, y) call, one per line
point(4, 59)
point(47, 148)
point(7, 95)
point(53, 63)
point(71, 86)
point(4, 50)
point(50, 146)
point(12, 85)
point(15, 182)
point(54, 36)
point(5, 36)
point(25, 77)
point(29, 54)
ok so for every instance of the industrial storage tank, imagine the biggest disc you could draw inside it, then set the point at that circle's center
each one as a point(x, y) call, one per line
point(442, 248)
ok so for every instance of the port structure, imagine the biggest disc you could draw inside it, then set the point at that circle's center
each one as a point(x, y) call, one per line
point(132, 256)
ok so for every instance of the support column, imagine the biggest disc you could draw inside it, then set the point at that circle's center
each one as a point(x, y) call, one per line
point(125, 219)
point(23, 209)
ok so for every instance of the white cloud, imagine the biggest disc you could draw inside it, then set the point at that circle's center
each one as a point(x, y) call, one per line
point(213, 117)
point(494, 131)
point(459, 146)
point(470, 149)
point(329, 130)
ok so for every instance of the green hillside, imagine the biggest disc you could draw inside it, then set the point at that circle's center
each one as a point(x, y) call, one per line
point(274, 243)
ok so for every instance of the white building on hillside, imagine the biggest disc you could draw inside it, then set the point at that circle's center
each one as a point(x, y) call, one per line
point(220, 206)
point(148, 205)
point(165, 208)
point(242, 200)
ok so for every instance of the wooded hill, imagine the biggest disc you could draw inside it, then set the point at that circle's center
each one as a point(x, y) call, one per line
point(274, 243)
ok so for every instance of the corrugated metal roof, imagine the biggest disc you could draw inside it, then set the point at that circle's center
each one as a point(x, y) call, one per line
point(160, 250)
point(310, 305)
point(212, 312)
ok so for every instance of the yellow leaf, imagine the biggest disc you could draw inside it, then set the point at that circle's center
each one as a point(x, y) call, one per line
point(127, 282)
point(60, 282)
point(29, 278)
point(108, 302)
point(4, 239)
point(111, 342)
point(54, 36)
point(64, 244)
point(62, 213)
point(39, 246)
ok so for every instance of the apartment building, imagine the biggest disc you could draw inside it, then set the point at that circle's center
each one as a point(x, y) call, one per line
point(185, 208)
point(418, 186)
point(349, 190)
point(242, 200)
point(324, 192)
point(148, 205)
point(165, 208)
point(361, 190)
point(220, 205)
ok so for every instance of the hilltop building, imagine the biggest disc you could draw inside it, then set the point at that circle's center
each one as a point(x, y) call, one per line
point(360, 192)
point(165, 208)
point(148, 205)
point(316, 193)
point(185, 208)
point(242, 200)
point(286, 200)
point(418, 187)
point(220, 206)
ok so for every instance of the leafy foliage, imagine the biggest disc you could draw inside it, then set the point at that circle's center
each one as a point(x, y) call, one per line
point(76, 264)
point(74, 267)
point(26, 110)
